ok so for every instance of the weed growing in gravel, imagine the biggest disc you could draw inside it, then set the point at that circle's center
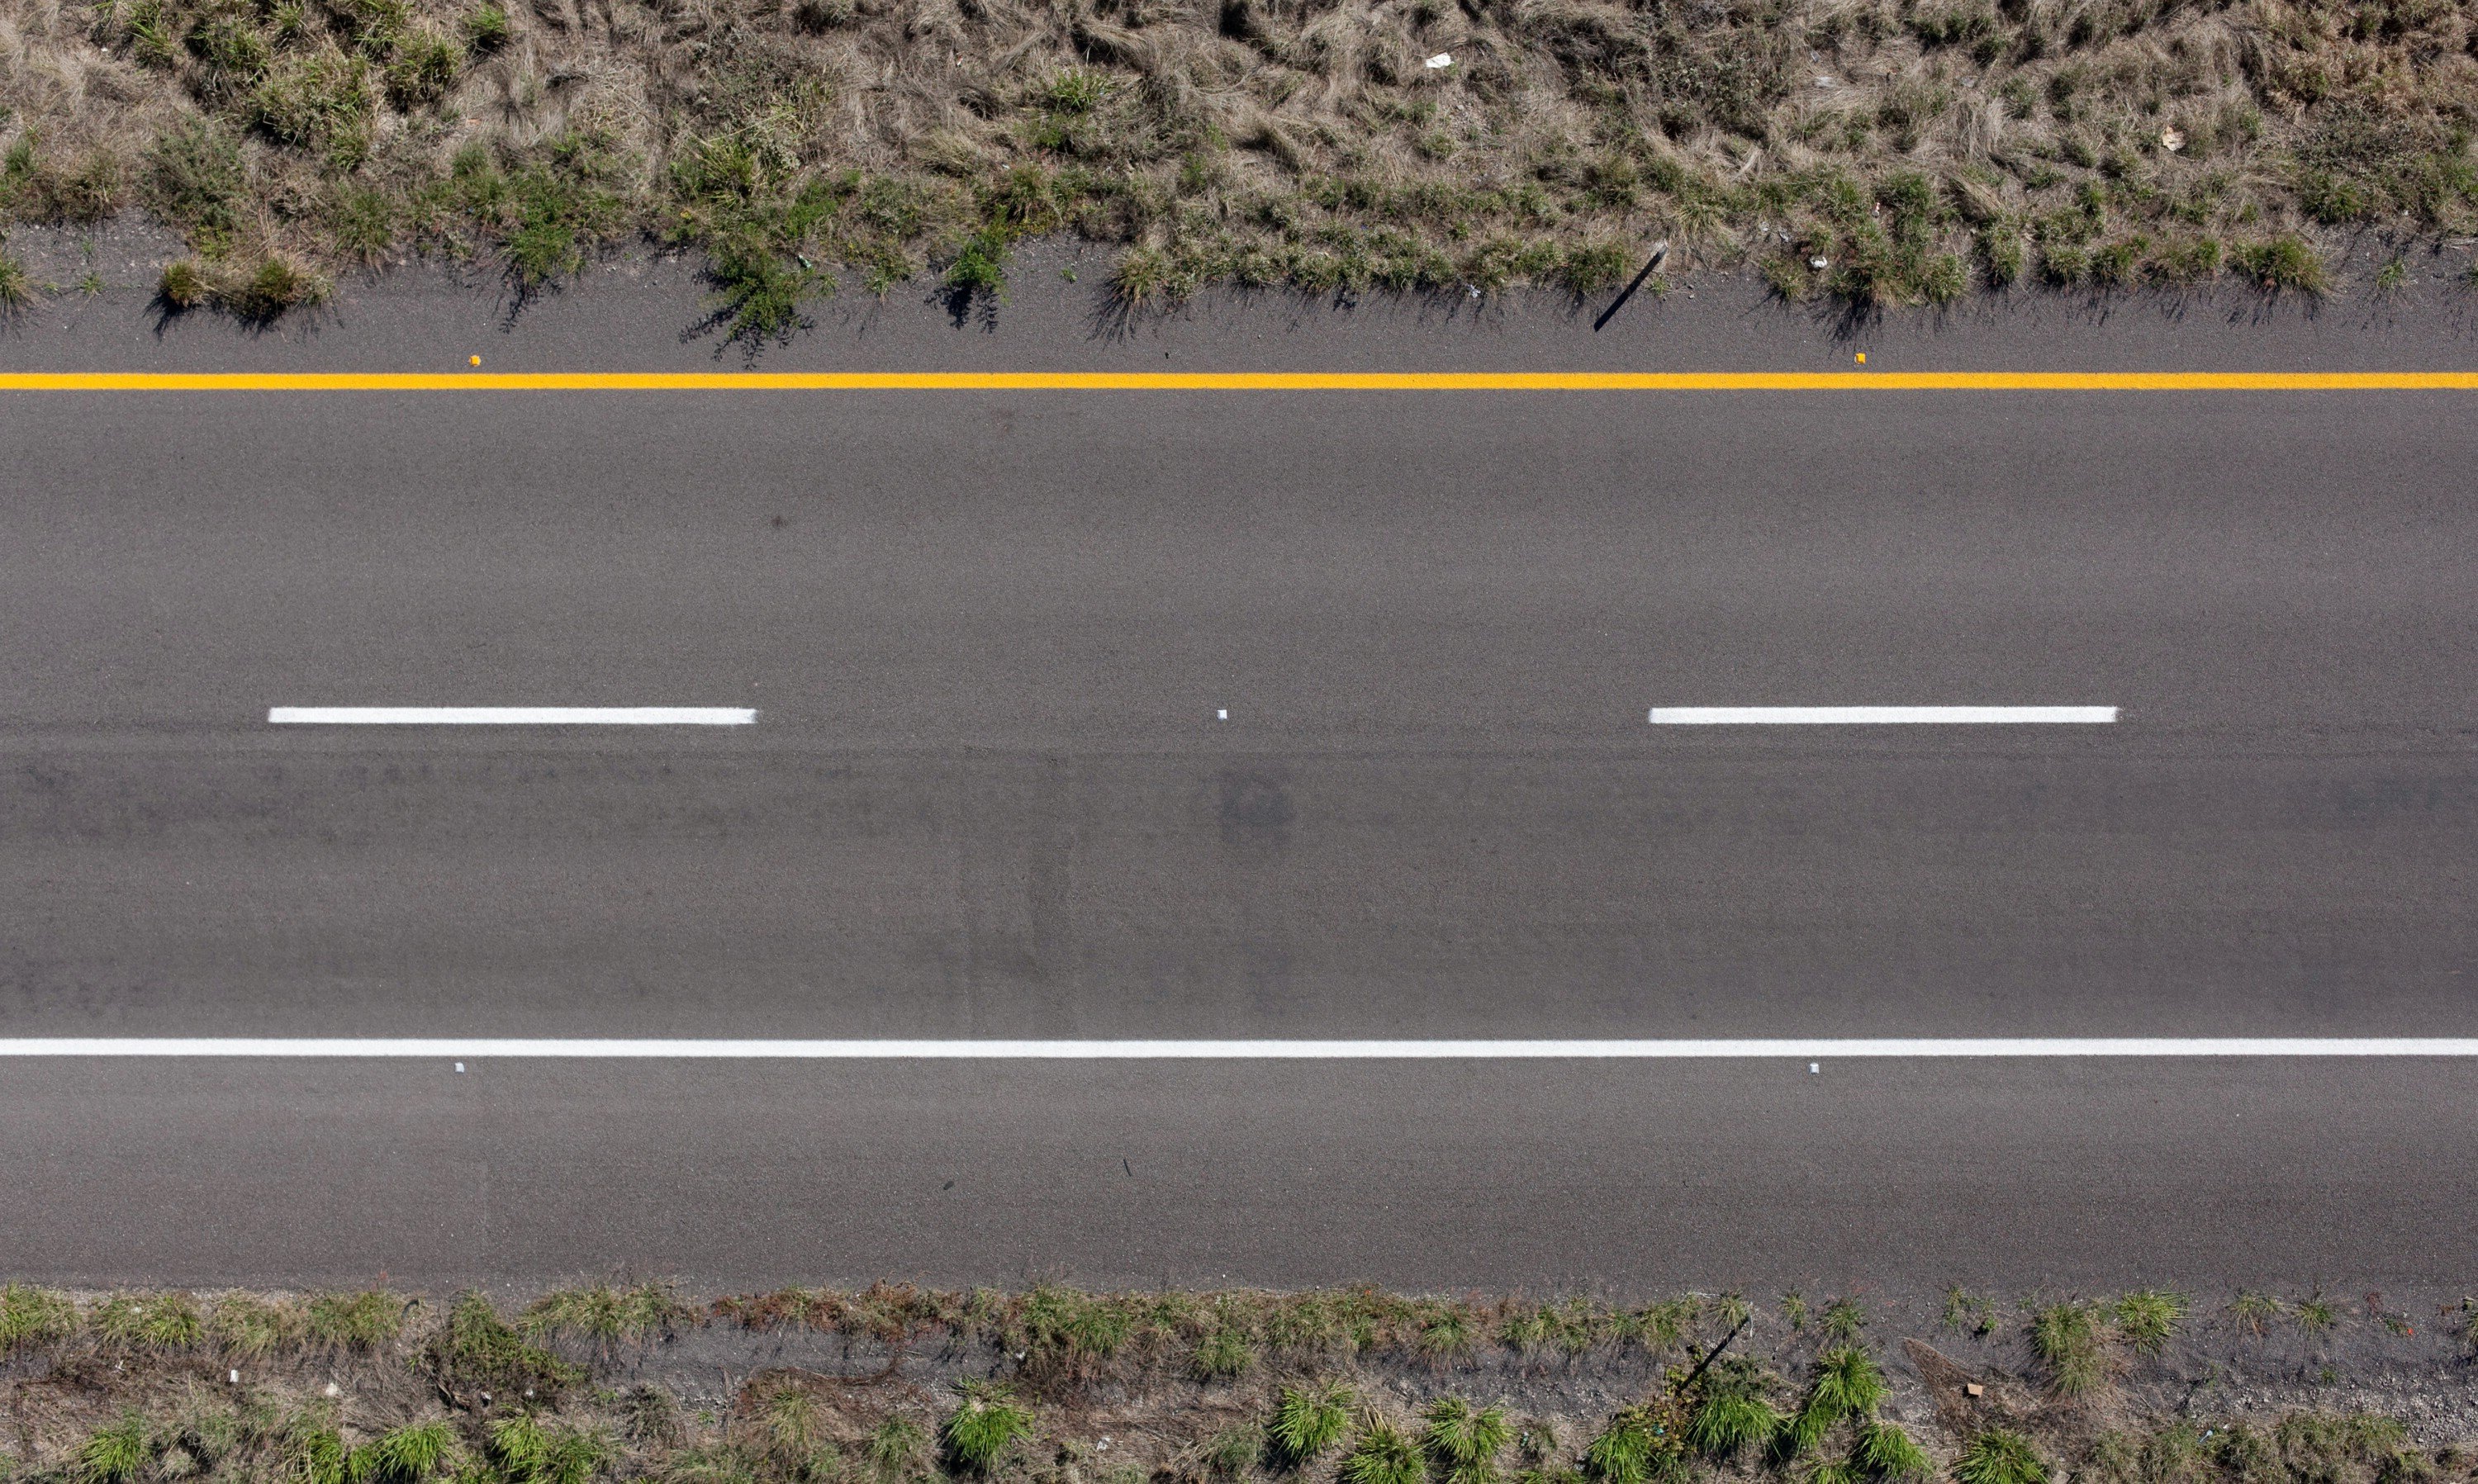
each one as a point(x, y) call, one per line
point(2254, 1310)
point(2066, 1337)
point(2146, 1317)
point(1969, 1312)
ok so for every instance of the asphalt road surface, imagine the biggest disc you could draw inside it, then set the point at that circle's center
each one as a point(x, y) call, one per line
point(1250, 715)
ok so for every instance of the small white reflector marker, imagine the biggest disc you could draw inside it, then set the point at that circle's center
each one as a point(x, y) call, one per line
point(509, 715)
point(1877, 715)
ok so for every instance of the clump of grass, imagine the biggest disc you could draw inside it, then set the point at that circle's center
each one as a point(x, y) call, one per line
point(2314, 1314)
point(34, 1317)
point(1464, 1442)
point(1232, 1451)
point(897, 1451)
point(1887, 1452)
point(185, 285)
point(1641, 1444)
point(476, 1352)
point(16, 291)
point(1999, 1456)
point(524, 1451)
point(485, 30)
point(1382, 1456)
point(1970, 1312)
point(2146, 1317)
point(1310, 1422)
point(1733, 1413)
point(1842, 1321)
point(604, 1315)
point(1449, 1334)
point(363, 1322)
point(2286, 264)
point(256, 295)
point(2254, 1310)
point(983, 1430)
point(121, 1454)
point(308, 1450)
point(1223, 1354)
point(158, 1322)
point(244, 1327)
point(410, 1454)
point(2066, 1337)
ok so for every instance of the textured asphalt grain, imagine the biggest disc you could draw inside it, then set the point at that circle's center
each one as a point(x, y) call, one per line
point(988, 795)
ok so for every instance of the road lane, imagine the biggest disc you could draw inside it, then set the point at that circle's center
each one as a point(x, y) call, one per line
point(989, 792)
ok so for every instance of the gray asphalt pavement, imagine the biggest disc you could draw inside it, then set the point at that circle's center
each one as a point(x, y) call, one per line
point(989, 795)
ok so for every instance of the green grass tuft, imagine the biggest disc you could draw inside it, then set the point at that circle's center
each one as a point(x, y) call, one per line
point(1887, 1452)
point(604, 1315)
point(1999, 1456)
point(248, 1328)
point(897, 1451)
point(984, 1430)
point(2146, 1317)
point(2284, 264)
point(363, 1322)
point(1310, 1422)
point(477, 1352)
point(1641, 1444)
point(33, 1316)
point(1734, 1414)
point(1382, 1456)
point(2254, 1310)
point(118, 1454)
point(2066, 1337)
point(1842, 1321)
point(1847, 1383)
point(1225, 1355)
point(410, 1454)
point(1464, 1441)
point(1232, 1451)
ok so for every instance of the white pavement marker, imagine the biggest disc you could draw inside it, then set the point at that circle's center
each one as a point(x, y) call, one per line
point(509, 715)
point(1878, 715)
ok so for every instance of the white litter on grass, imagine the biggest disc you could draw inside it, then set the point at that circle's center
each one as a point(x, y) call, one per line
point(1819, 263)
point(333, 1390)
point(235, 1377)
point(2171, 141)
point(1441, 59)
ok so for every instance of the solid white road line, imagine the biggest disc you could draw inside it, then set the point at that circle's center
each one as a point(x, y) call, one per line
point(510, 715)
point(1876, 715)
point(479, 1047)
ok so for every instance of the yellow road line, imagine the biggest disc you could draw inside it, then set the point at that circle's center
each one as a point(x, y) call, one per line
point(1245, 380)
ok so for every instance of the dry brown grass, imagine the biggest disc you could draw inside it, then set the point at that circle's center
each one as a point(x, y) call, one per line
point(1917, 148)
